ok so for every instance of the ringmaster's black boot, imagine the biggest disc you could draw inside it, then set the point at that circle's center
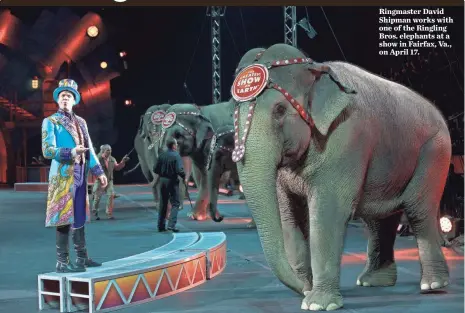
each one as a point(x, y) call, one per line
point(62, 244)
point(79, 240)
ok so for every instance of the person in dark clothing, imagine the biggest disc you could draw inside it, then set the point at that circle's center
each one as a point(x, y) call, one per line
point(168, 168)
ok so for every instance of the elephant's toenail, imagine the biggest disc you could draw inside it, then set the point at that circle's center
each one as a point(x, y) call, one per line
point(359, 283)
point(304, 305)
point(424, 287)
point(365, 284)
point(315, 307)
point(332, 306)
point(435, 285)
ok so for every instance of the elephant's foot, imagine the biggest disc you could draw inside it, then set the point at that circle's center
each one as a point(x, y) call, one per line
point(307, 288)
point(384, 276)
point(435, 276)
point(251, 224)
point(317, 300)
point(196, 216)
point(192, 216)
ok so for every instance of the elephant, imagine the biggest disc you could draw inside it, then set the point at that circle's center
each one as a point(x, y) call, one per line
point(319, 143)
point(146, 145)
point(210, 151)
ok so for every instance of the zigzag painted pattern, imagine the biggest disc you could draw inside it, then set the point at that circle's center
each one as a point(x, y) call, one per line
point(150, 285)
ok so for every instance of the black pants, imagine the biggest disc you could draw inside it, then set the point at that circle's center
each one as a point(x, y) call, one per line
point(169, 190)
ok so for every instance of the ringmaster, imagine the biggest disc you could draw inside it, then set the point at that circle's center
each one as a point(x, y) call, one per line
point(66, 141)
point(109, 165)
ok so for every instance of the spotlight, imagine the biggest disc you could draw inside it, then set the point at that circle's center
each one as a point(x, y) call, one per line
point(103, 64)
point(35, 82)
point(446, 224)
point(449, 227)
point(92, 31)
point(123, 54)
point(127, 103)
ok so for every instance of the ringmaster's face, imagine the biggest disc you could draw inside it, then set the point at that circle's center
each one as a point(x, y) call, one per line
point(66, 101)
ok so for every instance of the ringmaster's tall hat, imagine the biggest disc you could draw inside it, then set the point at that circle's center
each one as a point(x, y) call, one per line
point(67, 85)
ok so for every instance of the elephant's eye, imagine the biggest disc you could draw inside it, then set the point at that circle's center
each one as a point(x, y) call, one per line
point(177, 134)
point(280, 110)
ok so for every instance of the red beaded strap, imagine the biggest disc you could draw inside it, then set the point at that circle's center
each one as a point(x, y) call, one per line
point(290, 62)
point(299, 108)
point(239, 144)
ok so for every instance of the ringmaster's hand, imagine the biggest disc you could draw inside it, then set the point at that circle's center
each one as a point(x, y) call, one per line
point(80, 149)
point(103, 181)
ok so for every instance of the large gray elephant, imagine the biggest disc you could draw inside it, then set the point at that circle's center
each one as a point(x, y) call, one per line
point(319, 143)
point(147, 147)
point(194, 129)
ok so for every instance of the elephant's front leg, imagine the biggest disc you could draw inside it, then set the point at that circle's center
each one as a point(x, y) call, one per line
point(203, 197)
point(214, 177)
point(380, 268)
point(329, 213)
point(295, 243)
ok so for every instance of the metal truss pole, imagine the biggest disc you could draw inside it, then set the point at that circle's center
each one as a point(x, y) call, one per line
point(290, 29)
point(216, 13)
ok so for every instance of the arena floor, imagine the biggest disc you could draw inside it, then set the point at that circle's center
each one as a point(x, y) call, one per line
point(247, 284)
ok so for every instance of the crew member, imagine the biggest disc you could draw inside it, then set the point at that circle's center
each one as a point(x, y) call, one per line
point(109, 164)
point(168, 168)
point(66, 141)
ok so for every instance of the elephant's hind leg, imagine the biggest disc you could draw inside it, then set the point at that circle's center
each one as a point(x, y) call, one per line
point(380, 268)
point(422, 197)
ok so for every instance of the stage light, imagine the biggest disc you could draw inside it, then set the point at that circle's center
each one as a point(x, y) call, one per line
point(127, 103)
point(103, 64)
point(446, 224)
point(123, 54)
point(450, 227)
point(92, 31)
point(35, 82)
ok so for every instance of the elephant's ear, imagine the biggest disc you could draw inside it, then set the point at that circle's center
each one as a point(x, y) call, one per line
point(204, 131)
point(328, 97)
point(141, 122)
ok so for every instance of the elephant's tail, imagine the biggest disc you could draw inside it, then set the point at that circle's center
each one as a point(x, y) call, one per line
point(132, 169)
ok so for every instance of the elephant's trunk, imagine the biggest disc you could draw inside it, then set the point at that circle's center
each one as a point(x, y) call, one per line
point(257, 173)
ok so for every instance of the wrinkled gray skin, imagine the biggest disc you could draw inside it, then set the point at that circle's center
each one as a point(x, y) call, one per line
point(374, 154)
point(197, 147)
point(146, 144)
point(221, 162)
